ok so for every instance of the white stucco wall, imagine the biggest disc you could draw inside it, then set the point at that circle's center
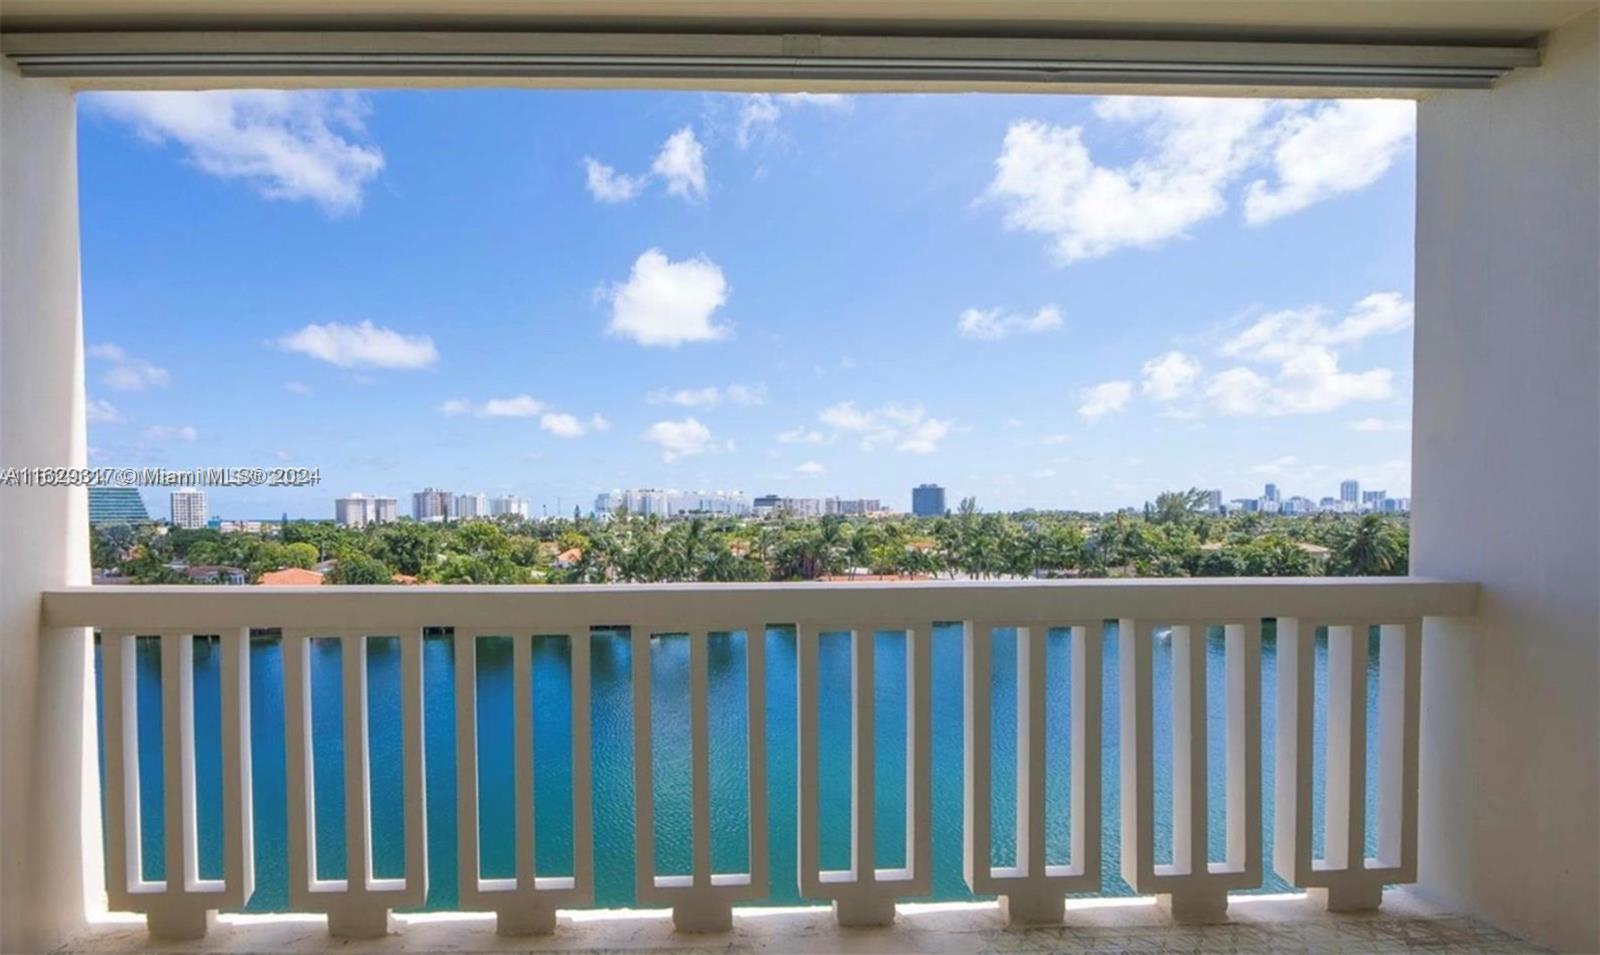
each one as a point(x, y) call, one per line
point(49, 781)
point(1506, 470)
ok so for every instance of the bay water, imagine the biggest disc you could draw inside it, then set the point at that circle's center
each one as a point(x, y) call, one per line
point(612, 757)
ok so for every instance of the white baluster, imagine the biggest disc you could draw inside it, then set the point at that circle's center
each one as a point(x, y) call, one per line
point(357, 906)
point(1032, 892)
point(1344, 879)
point(703, 900)
point(865, 895)
point(525, 904)
point(582, 888)
point(1191, 888)
point(182, 905)
point(760, 885)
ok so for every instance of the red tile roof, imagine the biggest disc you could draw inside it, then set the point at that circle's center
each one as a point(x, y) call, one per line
point(290, 577)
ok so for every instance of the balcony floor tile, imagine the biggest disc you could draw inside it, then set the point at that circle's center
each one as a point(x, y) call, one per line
point(1259, 925)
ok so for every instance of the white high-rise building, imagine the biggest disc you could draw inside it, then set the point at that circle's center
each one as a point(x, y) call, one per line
point(510, 505)
point(656, 502)
point(358, 510)
point(353, 511)
point(188, 508)
point(1350, 491)
point(432, 504)
point(857, 506)
point(469, 506)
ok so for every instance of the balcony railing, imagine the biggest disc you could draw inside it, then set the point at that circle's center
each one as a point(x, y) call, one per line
point(1350, 612)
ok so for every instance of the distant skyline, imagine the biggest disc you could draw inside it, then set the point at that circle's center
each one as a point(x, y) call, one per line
point(1055, 302)
point(402, 498)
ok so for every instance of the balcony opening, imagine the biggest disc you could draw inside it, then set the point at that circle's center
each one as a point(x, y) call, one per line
point(853, 341)
point(729, 770)
point(329, 794)
point(498, 820)
point(552, 762)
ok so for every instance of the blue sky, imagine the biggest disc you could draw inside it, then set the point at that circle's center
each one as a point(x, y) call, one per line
point(1045, 301)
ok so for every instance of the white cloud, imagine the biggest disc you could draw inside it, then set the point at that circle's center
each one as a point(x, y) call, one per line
point(1333, 148)
point(682, 163)
point(562, 425)
point(1285, 465)
point(1048, 182)
point(1282, 335)
point(1169, 377)
point(1380, 424)
point(559, 423)
point(516, 406)
point(1377, 314)
point(810, 467)
point(802, 435)
point(168, 432)
point(923, 437)
point(904, 427)
point(1052, 440)
point(608, 185)
point(680, 439)
point(100, 411)
point(1043, 473)
point(519, 406)
point(747, 394)
point(362, 346)
point(1103, 399)
point(759, 112)
point(295, 145)
point(126, 373)
point(710, 396)
point(668, 303)
point(758, 118)
point(847, 417)
point(1302, 345)
point(1238, 391)
point(993, 324)
point(839, 101)
point(297, 388)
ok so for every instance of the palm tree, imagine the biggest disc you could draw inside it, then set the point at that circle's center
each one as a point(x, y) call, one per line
point(1373, 546)
point(830, 543)
point(693, 542)
point(861, 548)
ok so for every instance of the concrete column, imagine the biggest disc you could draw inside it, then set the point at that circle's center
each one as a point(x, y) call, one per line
point(1506, 462)
point(51, 873)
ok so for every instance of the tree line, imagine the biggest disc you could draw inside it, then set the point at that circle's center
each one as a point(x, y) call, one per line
point(1171, 537)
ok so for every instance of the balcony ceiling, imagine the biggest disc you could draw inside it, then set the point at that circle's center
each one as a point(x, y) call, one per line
point(1475, 21)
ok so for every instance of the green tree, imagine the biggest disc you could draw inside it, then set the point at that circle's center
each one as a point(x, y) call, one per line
point(300, 554)
point(360, 569)
point(1372, 546)
point(410, 547)
point(1177, 507)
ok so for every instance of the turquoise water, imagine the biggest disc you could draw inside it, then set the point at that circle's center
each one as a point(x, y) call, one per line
point(612, 757)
